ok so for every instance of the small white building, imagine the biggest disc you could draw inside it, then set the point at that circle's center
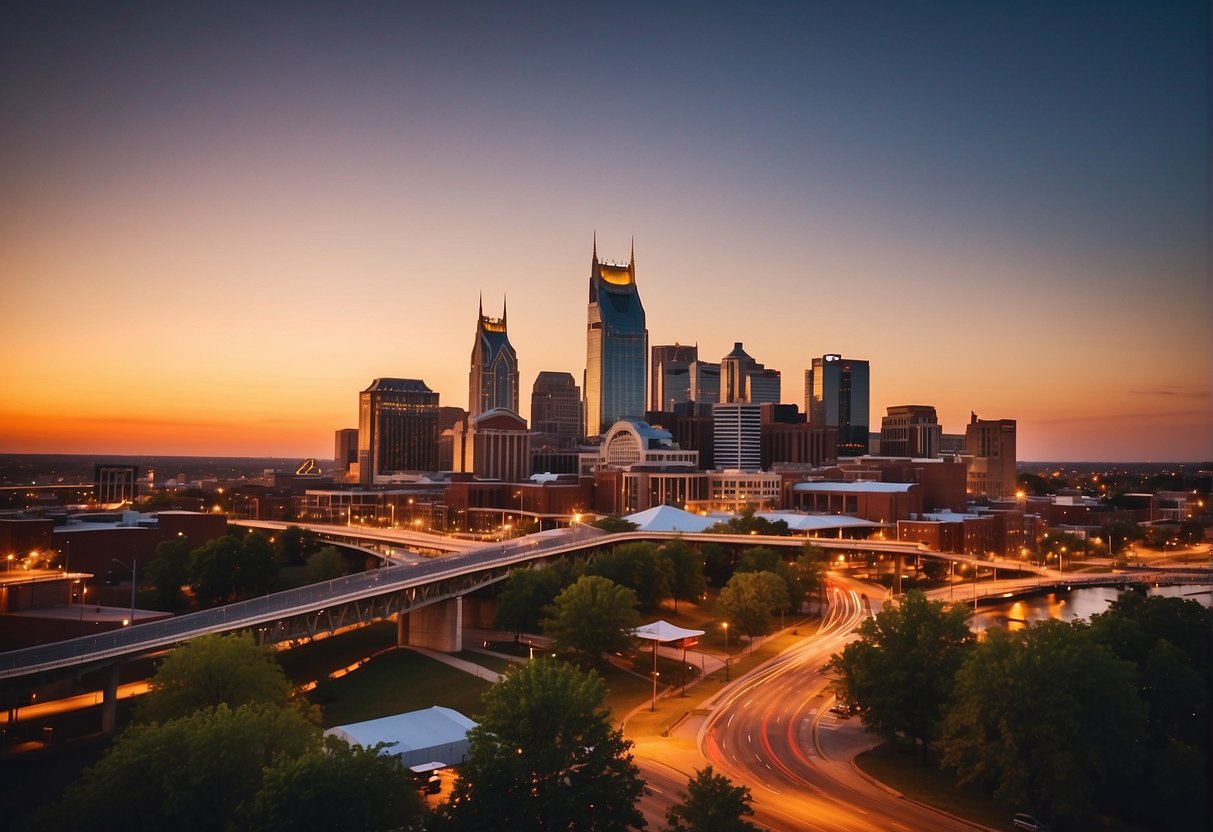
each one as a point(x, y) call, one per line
point(435, 734)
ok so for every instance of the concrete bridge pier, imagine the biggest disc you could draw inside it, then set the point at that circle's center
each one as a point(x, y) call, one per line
point(109, 701)
point(899, 562)
point(435, 626)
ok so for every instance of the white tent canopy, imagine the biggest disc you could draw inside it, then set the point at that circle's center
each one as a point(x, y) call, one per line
point(416, 737)
point(663, 631)
point(670, 519)
point(799, 522)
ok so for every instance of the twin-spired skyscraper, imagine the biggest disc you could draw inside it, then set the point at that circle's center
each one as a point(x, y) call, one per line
point(493, 380)
point(616, 346)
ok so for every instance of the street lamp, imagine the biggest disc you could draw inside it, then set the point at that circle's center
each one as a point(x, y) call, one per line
point(725, 625)
point(134, 567)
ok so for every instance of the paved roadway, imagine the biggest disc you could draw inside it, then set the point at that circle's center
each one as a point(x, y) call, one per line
point(772, 731)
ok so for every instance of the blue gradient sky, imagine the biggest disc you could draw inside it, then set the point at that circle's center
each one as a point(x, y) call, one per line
point(218, 223)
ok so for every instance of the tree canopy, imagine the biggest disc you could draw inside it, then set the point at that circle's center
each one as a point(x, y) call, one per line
point(1046, 717)
point(592, 616)
point(338, 786)
point(711, 803)
point(524, 596)
point(748, 600)
point(294, 544)
point(641, 568)
point(614, 524)
point(229, 568)
point(688, 583)
point(899, 674)
point(749, 523)
point(191, 773)
point(169, 571)
point(545, 757)
point(325, 564)
point(210, 671)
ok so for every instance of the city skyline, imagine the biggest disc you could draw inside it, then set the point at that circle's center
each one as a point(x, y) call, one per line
point(220, 224)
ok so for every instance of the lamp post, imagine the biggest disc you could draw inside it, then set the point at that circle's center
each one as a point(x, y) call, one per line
point(653, 705)
point(83, 592)
point(725, 625)
point(134, 567)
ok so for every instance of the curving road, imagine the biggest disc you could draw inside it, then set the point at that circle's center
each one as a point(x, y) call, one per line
point(774, 733)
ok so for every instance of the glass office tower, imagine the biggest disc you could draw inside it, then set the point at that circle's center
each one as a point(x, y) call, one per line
point(836, 396)
point(397, 428)
point(616, 346)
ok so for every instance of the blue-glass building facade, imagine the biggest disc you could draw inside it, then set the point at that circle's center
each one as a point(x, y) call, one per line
point(836, 396)
point(493, 380)
point(617, 345)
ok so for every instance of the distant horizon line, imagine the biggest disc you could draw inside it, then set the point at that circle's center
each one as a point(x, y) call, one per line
point(1196, 462)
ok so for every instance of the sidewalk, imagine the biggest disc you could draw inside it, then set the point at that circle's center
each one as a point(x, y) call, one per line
point(459, 664)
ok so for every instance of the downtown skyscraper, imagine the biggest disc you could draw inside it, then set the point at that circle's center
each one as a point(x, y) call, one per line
point(616, 346)
point(493, 379)
point(397, 428)
point(836, 393)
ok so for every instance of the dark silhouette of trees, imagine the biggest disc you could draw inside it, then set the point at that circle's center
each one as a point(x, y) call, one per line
point(711, 803)
point(210, 671)
point(545, 757)
point(899, 674)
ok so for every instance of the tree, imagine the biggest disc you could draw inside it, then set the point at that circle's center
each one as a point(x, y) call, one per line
point(257, 567)
point(688, 583)
point(593, 616)
point(545, 757)
point(214, 567)
point(900, 672)
point(337, 787)
point(614, 524)
point(294, 544)
point(711, 803)
point(210, 671)
point(748, 600)
point(1170, 642)
point(228, 568)
point(641, 568)
point(766, 559)
point(1047, 717)
point(749, 523)
point(325, 564)
point(810, 573)
point(192, 773)
point(1191, 532)
point(718, 563)
point(524, 596)
point(169, 571)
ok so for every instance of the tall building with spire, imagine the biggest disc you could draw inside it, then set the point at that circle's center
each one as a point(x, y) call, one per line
point(616, 346)
point(493, 380)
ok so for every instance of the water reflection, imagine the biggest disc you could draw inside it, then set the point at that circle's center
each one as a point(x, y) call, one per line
point(1067, 606)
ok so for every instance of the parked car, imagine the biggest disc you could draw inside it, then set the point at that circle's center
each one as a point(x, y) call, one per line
point(843, 709)
point(1027, 823)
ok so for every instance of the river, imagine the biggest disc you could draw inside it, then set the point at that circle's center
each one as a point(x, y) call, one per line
point(1077, 603)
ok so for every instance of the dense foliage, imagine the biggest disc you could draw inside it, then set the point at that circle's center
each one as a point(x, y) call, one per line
point(591, 617)
point(210, 671)
point(220, 744)
point(545, 757)
point(711, 803)
point(748, 600)
point(899, 674)
point(1069, 721)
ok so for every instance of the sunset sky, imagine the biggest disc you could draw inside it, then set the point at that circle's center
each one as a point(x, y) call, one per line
point(219, 222)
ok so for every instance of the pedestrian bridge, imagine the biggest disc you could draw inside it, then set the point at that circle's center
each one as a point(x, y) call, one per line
point(424, 595)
